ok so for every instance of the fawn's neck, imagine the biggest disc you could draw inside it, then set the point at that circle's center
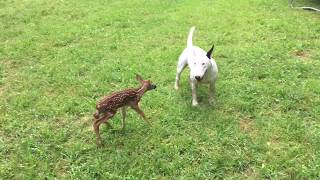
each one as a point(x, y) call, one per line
point(141, 90)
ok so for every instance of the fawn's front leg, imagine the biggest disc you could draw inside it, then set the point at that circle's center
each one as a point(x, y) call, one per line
point(140, 112)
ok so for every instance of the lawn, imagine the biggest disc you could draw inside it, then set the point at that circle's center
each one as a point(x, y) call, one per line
point(57, 58)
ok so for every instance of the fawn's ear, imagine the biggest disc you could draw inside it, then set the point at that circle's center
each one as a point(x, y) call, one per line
point(209, 53)
point(139, 78)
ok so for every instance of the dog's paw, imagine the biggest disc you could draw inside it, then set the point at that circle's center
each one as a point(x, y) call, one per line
point(195, 103)
point(176, 87)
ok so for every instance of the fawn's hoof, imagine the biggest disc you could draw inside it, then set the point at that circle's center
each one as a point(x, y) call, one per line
point(99, 144)
point(212, 101)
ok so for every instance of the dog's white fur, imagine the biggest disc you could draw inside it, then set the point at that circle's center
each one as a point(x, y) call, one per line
point(203, 69)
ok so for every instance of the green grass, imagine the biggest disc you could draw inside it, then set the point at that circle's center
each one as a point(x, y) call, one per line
point(59, 57)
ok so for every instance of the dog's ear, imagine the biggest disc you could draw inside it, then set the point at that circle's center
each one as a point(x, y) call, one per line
point(139, 78)
point(209, 53)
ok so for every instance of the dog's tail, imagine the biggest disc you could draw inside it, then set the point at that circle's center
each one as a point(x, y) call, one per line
point(189, 43)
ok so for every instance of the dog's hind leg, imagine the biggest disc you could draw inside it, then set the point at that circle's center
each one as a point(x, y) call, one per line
point(182, 63)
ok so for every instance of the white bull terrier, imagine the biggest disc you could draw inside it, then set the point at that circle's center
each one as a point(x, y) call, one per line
point(203, 68)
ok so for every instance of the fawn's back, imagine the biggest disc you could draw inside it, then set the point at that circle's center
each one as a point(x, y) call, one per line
point(117, 100)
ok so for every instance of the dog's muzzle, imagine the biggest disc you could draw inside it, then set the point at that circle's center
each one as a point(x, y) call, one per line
point(198, 78)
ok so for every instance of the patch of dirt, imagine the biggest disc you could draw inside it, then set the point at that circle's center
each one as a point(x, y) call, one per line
point(251, 174)
point(2, 90)
point(86, 122)
point(246, 125)
point(302, 54)
point(274, 143)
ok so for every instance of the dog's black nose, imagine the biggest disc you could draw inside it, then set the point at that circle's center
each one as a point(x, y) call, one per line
point(198, 78)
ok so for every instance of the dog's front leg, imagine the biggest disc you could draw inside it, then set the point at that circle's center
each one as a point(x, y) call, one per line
point(194, 93)
point(212, 90)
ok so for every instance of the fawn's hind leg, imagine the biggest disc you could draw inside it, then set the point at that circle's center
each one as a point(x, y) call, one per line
point(96, 115)
point(124, 113)
point(97, 124)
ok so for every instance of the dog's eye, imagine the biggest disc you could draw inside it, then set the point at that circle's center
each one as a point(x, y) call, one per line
point(202, 63)
point(194, 63)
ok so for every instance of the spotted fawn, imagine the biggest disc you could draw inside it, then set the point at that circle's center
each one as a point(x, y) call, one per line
point(108, 106)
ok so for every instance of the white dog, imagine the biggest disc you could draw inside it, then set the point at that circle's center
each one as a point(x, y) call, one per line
point(203, 69)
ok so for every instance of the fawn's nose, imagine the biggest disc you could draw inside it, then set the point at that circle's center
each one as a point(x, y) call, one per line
point(154, 86)
point(198, 78)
